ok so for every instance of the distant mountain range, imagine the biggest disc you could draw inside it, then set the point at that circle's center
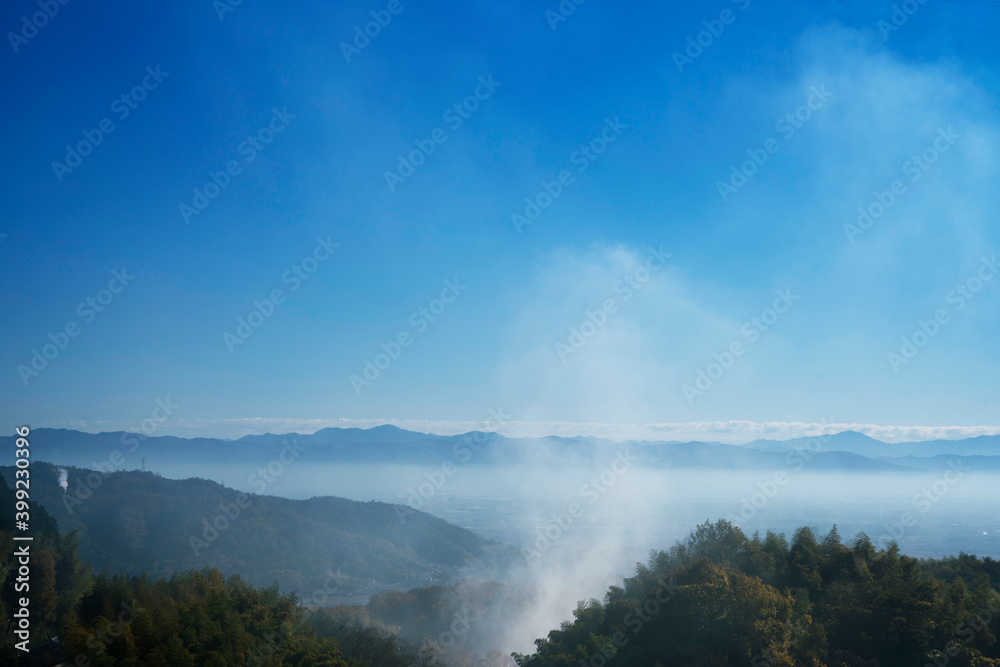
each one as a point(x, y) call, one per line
point(138, 522)
point(135, 521)
point(847, 451)
point(859, 443)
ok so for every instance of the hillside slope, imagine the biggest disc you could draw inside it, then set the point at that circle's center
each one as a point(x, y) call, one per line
point(137, 521)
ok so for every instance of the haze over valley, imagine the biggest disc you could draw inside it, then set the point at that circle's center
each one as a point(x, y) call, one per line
point(383, 333)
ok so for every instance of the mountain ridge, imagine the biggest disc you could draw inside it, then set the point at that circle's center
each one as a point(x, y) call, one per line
point(135, 522)
point(389, 444)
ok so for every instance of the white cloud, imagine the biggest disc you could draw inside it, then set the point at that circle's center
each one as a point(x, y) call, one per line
point(566, 356)
point(857, 299)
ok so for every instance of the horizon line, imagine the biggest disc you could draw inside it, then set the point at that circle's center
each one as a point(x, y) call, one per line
point(739, 432)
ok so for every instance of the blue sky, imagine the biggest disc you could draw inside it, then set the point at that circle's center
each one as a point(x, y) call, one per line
point(328, 131)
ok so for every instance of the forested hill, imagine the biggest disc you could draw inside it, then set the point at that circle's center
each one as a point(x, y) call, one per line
point(194, 618)
point(720, 598)
point(717, 599)
point(136, 522)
